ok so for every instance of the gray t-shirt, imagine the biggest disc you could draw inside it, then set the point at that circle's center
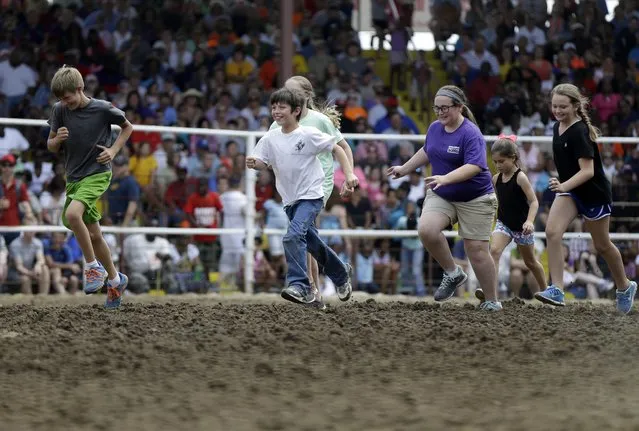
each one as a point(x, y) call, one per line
point(88, 126)
point(27, 252)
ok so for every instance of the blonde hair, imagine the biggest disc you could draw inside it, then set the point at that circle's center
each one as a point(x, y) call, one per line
point(581, 104)
point(458, 97)
point(66, 80)
point(311, 101)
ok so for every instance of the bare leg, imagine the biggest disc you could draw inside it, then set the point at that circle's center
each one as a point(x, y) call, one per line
point(498, 242)
point(74, 283)
point(562, 213)
point(599, 230)
point(430, 227)
point(479, 256)
point(74, 214)
point(536, 268)
point(44, 281)
point(101, 248)
point(25, 285)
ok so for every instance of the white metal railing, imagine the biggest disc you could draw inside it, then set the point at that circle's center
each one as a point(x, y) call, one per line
point(249, 229)
point(356, 136)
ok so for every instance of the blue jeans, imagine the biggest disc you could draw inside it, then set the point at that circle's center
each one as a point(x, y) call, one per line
point(302, 236)
point(412, 262)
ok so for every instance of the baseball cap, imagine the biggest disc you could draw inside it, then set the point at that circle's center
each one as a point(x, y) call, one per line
point(8, 158)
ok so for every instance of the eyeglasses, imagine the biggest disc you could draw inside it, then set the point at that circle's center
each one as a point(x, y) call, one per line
point(443, 109)
point(5, 165)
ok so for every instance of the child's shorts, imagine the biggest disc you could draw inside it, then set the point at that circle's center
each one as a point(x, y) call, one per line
point(520, 238)
point(88, 190)
point(591, 213)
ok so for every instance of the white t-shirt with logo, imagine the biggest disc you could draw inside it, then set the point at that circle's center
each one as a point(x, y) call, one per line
point(293, 157)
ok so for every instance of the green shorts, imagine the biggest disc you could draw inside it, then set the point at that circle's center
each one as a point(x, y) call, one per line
point(88, 191)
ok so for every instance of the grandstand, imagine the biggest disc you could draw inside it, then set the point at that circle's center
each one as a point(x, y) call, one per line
point(213, 65)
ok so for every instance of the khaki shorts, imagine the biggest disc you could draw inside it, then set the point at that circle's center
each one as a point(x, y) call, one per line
point(475, 217)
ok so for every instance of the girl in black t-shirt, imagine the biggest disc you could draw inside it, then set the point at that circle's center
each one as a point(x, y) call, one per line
point(582, 189)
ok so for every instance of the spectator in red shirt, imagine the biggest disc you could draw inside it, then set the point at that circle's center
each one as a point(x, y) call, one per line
point(204, 209)
point(176, 196)
point(12, 202)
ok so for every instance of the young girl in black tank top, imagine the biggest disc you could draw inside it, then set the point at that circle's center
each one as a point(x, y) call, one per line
point(516, 214)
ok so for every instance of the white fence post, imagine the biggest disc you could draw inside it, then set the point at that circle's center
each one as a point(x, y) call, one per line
point(249, 219)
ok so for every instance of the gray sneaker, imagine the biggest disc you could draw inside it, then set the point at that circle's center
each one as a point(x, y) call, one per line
point(449, 284)
point(345, 291)
point(317, 302)
point(491, 306)
point(298, 294)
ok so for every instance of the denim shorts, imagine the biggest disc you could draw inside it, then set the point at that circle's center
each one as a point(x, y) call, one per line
point(520, 238)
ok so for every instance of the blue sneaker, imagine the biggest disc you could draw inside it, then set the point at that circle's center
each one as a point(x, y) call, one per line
point(114, 294)
point(94, 279)
point(626, 298)
point(552, 295)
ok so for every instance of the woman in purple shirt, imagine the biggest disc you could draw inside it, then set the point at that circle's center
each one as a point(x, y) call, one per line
point(459, 191)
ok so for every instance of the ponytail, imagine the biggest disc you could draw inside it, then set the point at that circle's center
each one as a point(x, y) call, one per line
point(308, 94)
point(466, 112)
point(327, 109)
point(593, 132)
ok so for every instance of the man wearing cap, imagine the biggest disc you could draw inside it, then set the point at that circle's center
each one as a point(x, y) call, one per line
point(14, 198)
point(123, 194)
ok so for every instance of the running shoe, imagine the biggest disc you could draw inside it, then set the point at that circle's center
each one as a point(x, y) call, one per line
point(552, 295)
point(298, 294)
point(114, 294)
point(626, 298)
point(94, 279)
point(491, 306)
point(345, 291)
point(317, 302)
point(449, 285)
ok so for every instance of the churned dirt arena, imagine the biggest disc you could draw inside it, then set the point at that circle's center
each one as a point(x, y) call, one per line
point(262, 364)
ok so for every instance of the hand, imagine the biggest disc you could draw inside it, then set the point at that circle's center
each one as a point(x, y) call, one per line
point(345, 191)
point(4, 203)
point(528, 228)
point(75, 268)
point(436, 181)
point(396, 172)
point(556, 186)
point(106, 156)
point(251, 162)
point(62, 134)
point(352, 181)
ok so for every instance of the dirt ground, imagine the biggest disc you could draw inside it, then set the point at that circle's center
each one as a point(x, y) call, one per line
point(231, 364)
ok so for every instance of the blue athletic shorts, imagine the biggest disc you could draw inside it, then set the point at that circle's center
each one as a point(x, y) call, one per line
point(589, 213)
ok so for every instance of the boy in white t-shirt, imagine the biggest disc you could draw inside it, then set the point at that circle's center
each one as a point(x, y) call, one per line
point(292, 152)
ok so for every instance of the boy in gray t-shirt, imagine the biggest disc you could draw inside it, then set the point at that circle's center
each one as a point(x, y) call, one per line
point(82, 126)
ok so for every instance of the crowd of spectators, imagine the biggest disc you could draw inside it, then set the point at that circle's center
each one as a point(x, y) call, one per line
point(213, 65)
